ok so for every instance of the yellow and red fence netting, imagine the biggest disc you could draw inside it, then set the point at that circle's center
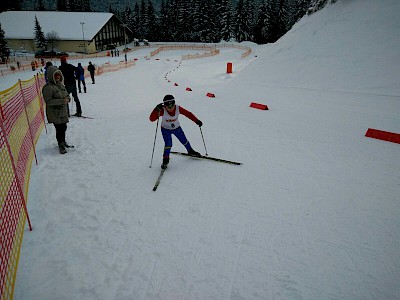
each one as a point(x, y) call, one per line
point(21, 122)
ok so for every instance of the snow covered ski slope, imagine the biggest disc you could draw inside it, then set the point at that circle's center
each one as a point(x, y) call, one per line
point(313, 212)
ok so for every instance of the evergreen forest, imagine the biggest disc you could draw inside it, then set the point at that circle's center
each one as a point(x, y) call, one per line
point(206, 21)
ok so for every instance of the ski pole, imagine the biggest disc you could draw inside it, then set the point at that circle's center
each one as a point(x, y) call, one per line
point(155, 137)
point(72, 104)
point(201, 131)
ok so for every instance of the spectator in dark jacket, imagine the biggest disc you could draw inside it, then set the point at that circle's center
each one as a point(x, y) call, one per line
point(91, 70)
point(69, 72)
point(48, 64)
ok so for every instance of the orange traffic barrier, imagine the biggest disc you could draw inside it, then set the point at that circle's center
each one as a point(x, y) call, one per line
point(383, 135)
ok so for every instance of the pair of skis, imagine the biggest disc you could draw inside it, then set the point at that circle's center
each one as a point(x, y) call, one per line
point(84, 117)
point(197, 157)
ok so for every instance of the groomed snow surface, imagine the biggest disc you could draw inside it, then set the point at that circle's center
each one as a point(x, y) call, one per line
point(313, 212)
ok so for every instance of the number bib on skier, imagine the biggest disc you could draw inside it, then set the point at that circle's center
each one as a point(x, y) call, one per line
point(170, 122)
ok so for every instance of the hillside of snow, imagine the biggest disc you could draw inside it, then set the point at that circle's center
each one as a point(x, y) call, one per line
point(313, 212)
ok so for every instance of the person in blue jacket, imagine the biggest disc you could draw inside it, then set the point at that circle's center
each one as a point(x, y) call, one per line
point(80, 75)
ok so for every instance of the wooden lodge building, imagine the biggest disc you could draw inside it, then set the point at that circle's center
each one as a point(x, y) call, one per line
point(86, 32)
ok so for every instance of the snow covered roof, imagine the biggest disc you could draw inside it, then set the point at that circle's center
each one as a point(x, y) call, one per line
point(20, 24)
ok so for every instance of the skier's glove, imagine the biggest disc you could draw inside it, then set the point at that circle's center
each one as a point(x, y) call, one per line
point(200, 123)
point(159, 107)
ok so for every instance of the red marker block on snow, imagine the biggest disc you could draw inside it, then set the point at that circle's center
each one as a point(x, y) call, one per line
point(383, 135)
point(188, 89)
point(175, 84)
point(259, 106)
point(211, 95)
point(229, 68)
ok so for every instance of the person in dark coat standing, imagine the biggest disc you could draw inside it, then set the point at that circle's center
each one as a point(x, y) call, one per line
point(80, 75)
point(57, 98)
point(91, 70)
point(48, 64)
point(69, 72)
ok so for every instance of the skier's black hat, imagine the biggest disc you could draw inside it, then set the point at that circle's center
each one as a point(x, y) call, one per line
point(169, 100)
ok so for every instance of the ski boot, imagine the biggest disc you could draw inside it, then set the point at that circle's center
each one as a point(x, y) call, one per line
point(165, 163)
point(193, 153)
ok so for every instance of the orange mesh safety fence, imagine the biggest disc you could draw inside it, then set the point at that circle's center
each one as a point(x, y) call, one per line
point(21, 122)
point(12, 68)
point(210, 47)
point(105, 68)
point(197, 55)
point(236, 46)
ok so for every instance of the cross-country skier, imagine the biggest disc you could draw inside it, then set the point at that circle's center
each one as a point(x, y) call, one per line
point(170, 112)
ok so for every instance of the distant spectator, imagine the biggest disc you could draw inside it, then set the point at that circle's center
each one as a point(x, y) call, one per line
point(69, 72)
point(91, 70)
point(33, 65)
point(48, 64)
point(80, 75)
